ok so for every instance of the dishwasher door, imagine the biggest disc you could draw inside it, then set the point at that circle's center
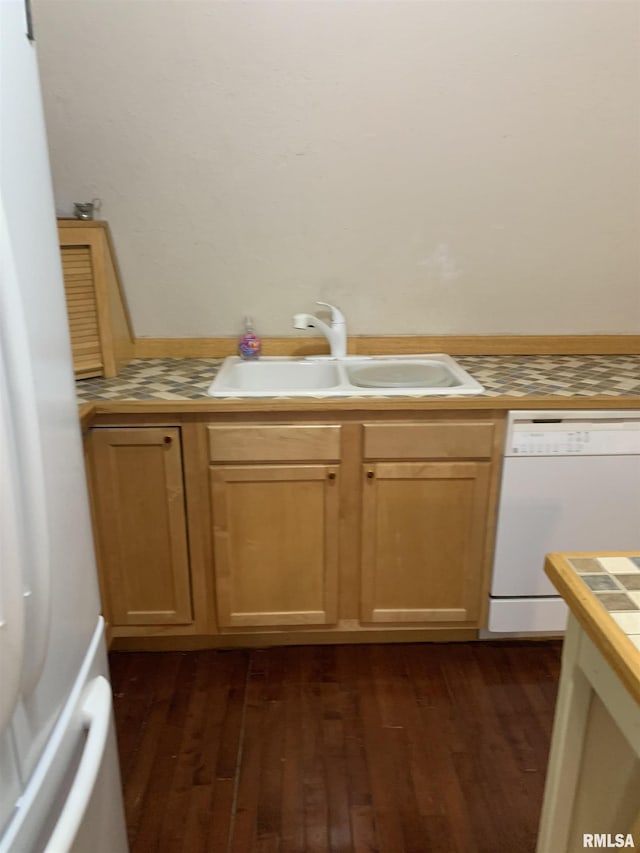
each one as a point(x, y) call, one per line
point(562, 503)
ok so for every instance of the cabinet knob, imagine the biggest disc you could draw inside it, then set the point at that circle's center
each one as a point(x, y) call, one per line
point(370, 475)
point(331, 475)
point(167, 439)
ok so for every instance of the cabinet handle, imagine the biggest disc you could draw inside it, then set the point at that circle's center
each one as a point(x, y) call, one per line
point(167, 439)
point(370, 475)
point(331, 475)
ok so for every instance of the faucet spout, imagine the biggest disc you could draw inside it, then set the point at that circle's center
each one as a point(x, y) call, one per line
point(336, 333)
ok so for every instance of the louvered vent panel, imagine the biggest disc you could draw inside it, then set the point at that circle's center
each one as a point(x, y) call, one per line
point(81, 307)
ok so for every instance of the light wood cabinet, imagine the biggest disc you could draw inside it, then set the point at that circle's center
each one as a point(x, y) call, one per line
point(141, 529)
point(422, 520)
point(425, 522)
point(99, 324)
point(423, 531)
point(275, 524)
point(216, 531)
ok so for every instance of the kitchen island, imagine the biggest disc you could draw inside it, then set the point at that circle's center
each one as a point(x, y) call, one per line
point(592, 793)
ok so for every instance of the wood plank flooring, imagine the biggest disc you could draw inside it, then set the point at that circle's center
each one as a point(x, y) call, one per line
point(420, 748)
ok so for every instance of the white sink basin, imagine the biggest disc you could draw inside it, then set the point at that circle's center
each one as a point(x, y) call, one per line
point(398, 373)
point(276, 374)
point(353, 376)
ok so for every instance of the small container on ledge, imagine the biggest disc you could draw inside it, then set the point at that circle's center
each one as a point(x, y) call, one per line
point(249, 345)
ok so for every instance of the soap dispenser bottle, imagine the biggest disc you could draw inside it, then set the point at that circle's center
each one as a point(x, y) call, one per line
point(249, 344)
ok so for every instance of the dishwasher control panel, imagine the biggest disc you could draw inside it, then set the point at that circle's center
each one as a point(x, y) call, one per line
point(552, 433)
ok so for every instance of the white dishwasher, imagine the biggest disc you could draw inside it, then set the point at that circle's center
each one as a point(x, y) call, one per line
point(570, 482)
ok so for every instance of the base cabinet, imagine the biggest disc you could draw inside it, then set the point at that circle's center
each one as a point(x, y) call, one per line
point(141, 528)
point(426, 513)
point(275, 530)
point(423, 531)
point(237, 527)
point(275, 524)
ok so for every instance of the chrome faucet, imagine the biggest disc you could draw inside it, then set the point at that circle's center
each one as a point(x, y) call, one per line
point(336, 333)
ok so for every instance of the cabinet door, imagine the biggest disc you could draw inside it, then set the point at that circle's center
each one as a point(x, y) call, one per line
point(276, 544)
point(423, 539)
point(141, 525)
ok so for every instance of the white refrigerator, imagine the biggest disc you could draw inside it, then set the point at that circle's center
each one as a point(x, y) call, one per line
point(59, 777)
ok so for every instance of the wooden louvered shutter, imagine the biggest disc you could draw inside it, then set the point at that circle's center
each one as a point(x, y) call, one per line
point(99, 324)
point(77, 269)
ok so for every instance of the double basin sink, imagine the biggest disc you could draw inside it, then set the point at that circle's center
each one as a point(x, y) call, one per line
point(352, 376)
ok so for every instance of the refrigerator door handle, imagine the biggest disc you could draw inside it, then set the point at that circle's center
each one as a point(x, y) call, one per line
point(96, 717)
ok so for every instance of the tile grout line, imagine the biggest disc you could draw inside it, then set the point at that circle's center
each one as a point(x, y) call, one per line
point(239, 755)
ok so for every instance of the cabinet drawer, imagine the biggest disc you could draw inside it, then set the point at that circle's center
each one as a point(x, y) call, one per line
point(443, 440)
point(274, 443)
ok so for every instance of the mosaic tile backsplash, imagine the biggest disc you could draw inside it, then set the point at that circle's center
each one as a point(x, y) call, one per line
point(501, 376)
point(615, 583)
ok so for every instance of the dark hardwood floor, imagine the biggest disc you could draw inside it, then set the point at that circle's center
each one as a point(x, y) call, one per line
point(392, 748)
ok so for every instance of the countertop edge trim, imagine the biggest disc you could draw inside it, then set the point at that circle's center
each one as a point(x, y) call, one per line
point(209, 404)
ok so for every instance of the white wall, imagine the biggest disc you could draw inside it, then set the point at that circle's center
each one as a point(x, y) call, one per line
point(433, 166)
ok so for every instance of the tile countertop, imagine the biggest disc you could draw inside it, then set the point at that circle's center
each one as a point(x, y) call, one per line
point(603, 593)
point(519, 377)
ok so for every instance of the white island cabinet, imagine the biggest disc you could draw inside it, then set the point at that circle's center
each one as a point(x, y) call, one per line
point(592, 793)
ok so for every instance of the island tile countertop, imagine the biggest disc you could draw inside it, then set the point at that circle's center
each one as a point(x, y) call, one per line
point(603, 593)
point(503, 376)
